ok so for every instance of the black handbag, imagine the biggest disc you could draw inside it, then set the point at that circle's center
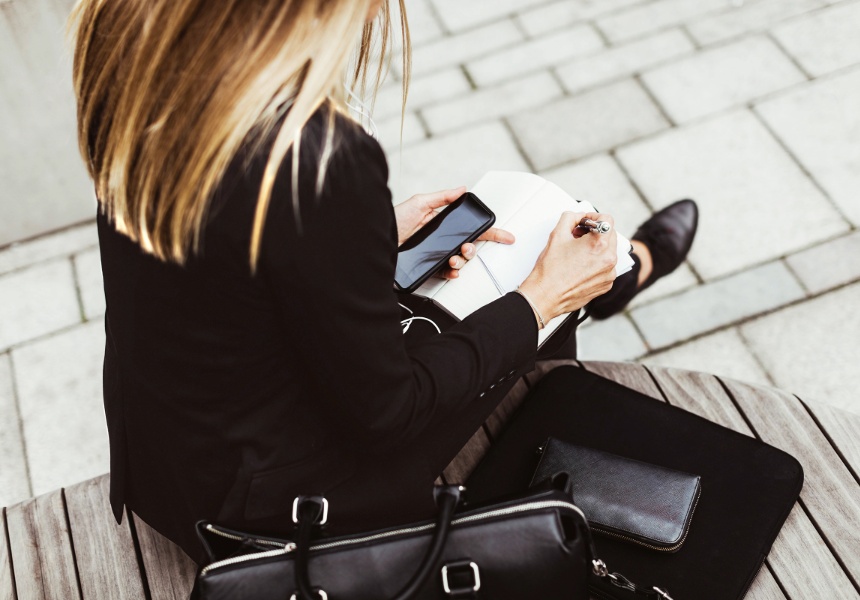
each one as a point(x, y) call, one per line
point(533, 546)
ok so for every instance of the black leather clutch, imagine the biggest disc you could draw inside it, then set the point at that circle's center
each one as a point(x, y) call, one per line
point(624, 498)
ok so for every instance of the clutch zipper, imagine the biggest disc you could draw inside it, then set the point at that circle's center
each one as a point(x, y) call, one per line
point(290, 547)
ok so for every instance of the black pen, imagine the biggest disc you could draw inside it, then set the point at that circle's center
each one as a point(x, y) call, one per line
point(595, 226)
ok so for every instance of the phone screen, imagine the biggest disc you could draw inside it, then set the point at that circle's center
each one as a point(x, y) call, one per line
point(422, 254)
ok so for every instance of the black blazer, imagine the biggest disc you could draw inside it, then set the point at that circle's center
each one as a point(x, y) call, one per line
point(228, 393)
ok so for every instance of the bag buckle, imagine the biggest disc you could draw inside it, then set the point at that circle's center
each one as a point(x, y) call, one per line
point(319, 500)
point(322, 595)
point(663, 594)
point(461, 567)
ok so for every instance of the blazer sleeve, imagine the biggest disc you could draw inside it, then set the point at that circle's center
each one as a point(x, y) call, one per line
point(332, 272)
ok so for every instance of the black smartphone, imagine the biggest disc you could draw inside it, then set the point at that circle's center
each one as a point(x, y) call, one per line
point(462, 221)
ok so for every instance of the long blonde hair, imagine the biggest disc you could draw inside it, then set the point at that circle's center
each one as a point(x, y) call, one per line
point(168, 91)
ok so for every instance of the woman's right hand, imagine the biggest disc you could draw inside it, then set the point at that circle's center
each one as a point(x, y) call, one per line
point(573, 268)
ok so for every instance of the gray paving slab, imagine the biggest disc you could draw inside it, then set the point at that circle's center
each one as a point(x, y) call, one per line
point(748, 17)
point(37, 301)
point(820, 124)
point(67, 242)
point(826, 40)
point(828, 265)
point(457, 15)
point(63, 416)
point(653, 16)
point(733, 168)
point(423, 91)
point(423, 24)
point(811, 349)
point(88, 272)
point(559, 15)
point(722, 77)
point(679, 280)
point(394, 131)
point(595, 121)
point(716, 304)
point(460, 48)
point(14, 483)
point(615, 339)
point(723, 353)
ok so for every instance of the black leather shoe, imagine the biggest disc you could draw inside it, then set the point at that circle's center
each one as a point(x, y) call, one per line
point(668, 234)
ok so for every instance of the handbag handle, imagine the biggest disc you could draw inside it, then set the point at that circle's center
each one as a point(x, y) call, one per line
point(309, 511)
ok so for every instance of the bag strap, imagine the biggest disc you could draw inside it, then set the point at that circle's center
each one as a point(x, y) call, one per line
point(617, 579)
point(309, 512)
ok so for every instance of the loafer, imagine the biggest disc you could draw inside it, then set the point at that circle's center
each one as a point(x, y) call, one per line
point(668, 234)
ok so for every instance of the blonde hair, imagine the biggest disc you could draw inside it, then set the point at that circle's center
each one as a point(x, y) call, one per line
point(168, 92)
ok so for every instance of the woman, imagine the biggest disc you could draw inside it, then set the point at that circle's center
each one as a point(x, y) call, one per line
point(248, 244)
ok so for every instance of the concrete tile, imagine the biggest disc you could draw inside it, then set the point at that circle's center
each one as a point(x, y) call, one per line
point(461, 48)
point(811, 349)
point(723, 353)
point(549, 17)
point(37, 301)
point(752, 16)
point(63, 243)
point(389, 132)
point(14, 483)
point(88, 268)
point(460, 158)
point(492, 103)
point(593, 122)
point(423, 24)
point(653, 16)
point(63, 415)
point(458, 15)
point(820, 123)
point(720, 78)
point(545, 51)
point(601, 181)
point(824, 41)
point(680, 279)
point(716, 304)
point(623, 61)
point(615, 339)
point(732, 167)
point(828, 265)
point(423, 91)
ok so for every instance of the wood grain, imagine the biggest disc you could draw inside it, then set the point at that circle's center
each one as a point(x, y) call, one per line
point(105, 551)
point(42, 557)
point(843, 428)
point(169, 571)
point(629, 375)
point(764, 587)
point(467, 459)
point(7, 582)
point(831, 493)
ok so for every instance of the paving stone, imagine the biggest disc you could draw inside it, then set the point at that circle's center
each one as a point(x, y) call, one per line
point(720, 78)
point(680, 279)
point(723, 353)
point(592, 122)
point(389, 132)
point(828, 265)
point(37, 301)
point(423, 25)
point(653, 16)
point(461, 48)
point(458, 15)
point(811, 348)
point(820, 123)
point(14, 484)
point(63, 243)
point(448, 161)
point(826, 40)
point(63, 415)
point(88, 268)
point(733, 168)
point(530, 56)
point(716, 304)
point(491, 103)
point(625, 60)
point(752, 16)
point(615, 339)
point(542, 19)
point(423, 91)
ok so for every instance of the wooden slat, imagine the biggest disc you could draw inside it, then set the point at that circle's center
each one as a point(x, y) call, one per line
point(105, 551)
point(41, 549)
point(796, 568)
point(468, 458)
point(7, 582)
point(843, 428)
point(629, 375)
point(764, 587)
point(169, 571)
point(507, 407)
point(830, 493)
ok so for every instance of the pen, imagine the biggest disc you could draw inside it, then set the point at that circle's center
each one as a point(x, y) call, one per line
point(595, 226)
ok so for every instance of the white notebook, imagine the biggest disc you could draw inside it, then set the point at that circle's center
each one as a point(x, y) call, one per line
point(529, 207)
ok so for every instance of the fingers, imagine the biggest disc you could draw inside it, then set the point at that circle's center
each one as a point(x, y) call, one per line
point(494, 234)
point(440, 198)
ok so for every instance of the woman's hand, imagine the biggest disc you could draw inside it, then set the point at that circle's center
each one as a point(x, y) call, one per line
point(573, 268)
point(415, 213)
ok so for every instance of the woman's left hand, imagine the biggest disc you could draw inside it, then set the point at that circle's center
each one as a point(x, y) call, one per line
point(415, 213)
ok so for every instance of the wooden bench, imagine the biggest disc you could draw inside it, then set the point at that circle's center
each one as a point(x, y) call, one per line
point(66, 546)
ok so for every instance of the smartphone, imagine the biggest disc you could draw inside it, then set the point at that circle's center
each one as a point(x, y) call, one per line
point(462, 221)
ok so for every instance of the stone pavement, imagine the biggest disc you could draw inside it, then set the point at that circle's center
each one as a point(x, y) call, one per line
point(749, 107)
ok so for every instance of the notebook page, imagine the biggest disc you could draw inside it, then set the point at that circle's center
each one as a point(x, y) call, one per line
point(470, 291)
